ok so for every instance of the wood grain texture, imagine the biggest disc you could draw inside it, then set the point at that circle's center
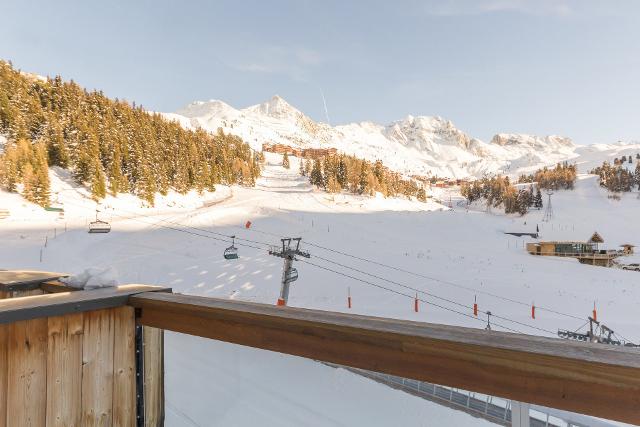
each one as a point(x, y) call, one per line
point(587, 378)
point(64, 370)
point(11, 280)
point(153, 339)
point(54, 287)
point(97, 368)
point(26, 293)
point(58, 304)
point(124, 368)
point(27, 378)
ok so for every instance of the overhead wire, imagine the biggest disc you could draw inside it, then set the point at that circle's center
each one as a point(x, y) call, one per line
point(202, 230)
point(433, 295)
point(406, 295)
point(446, 282)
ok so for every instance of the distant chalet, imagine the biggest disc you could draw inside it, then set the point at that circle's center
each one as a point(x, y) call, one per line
point(307, 153)
point(585, 252)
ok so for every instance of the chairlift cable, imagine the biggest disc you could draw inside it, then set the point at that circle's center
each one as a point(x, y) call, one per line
point(433, 295)
point(406, 295)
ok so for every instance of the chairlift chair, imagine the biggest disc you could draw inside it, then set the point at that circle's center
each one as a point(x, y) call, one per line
point(291, 275)
point(99, 226)
point(231, 252)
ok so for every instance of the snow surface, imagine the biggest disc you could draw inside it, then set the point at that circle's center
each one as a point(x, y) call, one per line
point(460, 253)
point(428, 146)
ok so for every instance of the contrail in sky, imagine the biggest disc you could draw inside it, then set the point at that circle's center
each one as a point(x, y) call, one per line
point(326, 112)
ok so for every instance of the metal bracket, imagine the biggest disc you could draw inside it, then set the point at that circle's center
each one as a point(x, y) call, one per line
point(139, 348)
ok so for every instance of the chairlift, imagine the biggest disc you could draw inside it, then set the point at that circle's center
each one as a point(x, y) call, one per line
point(99, 226)
point(291, 275)
point(55, 206)
point(231, 252)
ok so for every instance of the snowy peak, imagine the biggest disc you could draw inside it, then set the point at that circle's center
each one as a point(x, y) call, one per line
point(415, 145)
point(547, 142)
point(206, 109)
point(424, 131)
point(276, 108)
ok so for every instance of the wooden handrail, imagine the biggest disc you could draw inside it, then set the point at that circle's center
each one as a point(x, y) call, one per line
point(59, 304)
point(593, 379)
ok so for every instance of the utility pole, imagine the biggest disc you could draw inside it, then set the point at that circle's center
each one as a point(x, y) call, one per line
point(548, 213)
point(290, 248)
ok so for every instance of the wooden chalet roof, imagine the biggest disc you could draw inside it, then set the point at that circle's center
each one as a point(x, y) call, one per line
point(596, 238)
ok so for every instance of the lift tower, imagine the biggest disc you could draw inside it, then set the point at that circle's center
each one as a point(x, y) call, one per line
point(290, 248)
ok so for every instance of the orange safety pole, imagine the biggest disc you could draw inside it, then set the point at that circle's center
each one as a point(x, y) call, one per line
point(349, 297)
point(595, 313)
point(475, 306)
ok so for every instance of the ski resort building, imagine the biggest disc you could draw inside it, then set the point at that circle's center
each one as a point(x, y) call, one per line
point(307, 153)
point(586, 252)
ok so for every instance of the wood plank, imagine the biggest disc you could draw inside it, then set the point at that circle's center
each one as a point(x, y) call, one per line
point(12, 280)
point(54, 287)
point(26, 293)
point(97, 368)
point(27, 376)
point(4, 369)
point(124, 367)
point(153, 339)
point(64, 370)
point(588, 378)
point(48, 305)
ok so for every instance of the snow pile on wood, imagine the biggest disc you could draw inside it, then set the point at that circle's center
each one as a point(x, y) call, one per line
point(93, 278)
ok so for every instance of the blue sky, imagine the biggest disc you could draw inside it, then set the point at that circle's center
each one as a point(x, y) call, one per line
point(569, 67)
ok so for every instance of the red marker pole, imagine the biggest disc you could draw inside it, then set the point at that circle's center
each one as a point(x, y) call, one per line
point(533, 310)
point(415, 303)
point(475, 306)
point(349, 297)
point(595, 313)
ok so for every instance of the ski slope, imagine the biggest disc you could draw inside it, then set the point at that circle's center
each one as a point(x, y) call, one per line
point(449, 257)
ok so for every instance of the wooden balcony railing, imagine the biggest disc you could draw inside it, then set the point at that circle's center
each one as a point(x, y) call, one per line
point(56, 368)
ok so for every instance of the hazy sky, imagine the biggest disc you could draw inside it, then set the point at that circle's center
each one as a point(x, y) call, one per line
point(543, 67)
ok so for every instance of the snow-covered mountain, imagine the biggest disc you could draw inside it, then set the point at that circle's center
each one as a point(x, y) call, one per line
point(428, 146)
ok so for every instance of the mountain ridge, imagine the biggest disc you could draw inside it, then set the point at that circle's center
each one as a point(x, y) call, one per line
point(413, 145)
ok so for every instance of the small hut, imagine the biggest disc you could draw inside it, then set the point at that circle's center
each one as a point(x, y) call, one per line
point(627, 248)
point(596, 238)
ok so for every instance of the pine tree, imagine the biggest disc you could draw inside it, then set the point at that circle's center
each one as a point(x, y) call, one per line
point(523, 201)
point(316, 177)
point(285, 161)
point(41, 185)
point(333, 186)
point(341, 172)
point(537, 202)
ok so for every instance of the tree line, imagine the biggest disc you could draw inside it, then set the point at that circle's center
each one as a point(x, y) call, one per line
point(340, 172)
point(617, 178)
point(561, 177)
point(499, 192)
point(110, 146)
